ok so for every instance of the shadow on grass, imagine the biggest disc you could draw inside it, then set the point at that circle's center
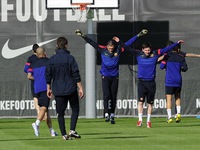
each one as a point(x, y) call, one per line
point(113, 135)
point(92, 121)
point(174, 124)
point(102, 133)
point(30, 139)
point(178, 125)
point(12, 121)
point(121, 137)
point(185, 120)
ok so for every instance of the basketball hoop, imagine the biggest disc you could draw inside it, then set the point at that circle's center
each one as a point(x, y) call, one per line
point(81, 10)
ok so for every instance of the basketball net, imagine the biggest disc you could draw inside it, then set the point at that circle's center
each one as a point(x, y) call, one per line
point(81, 11)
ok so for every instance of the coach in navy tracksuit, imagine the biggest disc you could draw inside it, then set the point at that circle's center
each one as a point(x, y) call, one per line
point(174, 62)
point(63, 73)
point(147, 60)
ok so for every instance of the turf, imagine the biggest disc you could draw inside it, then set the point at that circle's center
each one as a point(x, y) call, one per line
point(17, 134)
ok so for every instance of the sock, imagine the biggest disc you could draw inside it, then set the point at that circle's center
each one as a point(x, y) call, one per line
point(37, 122)
point(106, 114)
point(169, 113)
point(140, 116)
point(178, 108)
point(148, 117)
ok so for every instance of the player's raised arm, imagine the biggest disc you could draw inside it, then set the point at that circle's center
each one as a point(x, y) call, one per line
point(87, 39)
point(192, 55)
point(129, 49)
point(116, 39)
point(170, 47)
point(133, 39)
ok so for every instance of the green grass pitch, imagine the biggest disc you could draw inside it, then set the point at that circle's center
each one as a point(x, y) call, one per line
point(17, 134)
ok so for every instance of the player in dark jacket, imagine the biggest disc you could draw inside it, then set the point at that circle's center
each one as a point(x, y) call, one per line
point(63, 78)
point(147, 60)
point(110, 55)
point(36, 72)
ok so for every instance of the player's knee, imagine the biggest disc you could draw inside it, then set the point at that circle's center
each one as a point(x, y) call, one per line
point(141, 99)
point(150, 102)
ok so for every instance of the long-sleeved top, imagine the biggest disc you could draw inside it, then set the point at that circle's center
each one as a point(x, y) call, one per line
point(30, 60)
point(166, 55)
point(37, 69)
point(131, 40)
point(110, 61)
point(62, 70)
point(147, 64)
point(174, 64)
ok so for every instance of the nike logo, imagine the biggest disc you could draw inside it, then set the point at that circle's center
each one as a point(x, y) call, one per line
point(12, 53)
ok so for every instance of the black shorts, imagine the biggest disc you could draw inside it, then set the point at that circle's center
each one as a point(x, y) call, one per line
point(146, 89)
point(172, 90)
point(43, 100)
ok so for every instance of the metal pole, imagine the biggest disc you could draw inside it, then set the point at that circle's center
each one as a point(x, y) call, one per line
point(90, 65)
point(134, 61)
point(39, 25)
point(39, 31)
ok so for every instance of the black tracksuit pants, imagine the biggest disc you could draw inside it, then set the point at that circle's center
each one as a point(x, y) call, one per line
point(61, 105)
point(110, 87)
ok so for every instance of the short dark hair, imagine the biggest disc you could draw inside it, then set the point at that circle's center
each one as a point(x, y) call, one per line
point(175, 48)
point(146, 45)
point(111, 42)
point(35, 46)
point(61, 42)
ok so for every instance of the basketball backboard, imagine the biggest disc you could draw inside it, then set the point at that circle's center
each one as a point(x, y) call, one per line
point(67, 4)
